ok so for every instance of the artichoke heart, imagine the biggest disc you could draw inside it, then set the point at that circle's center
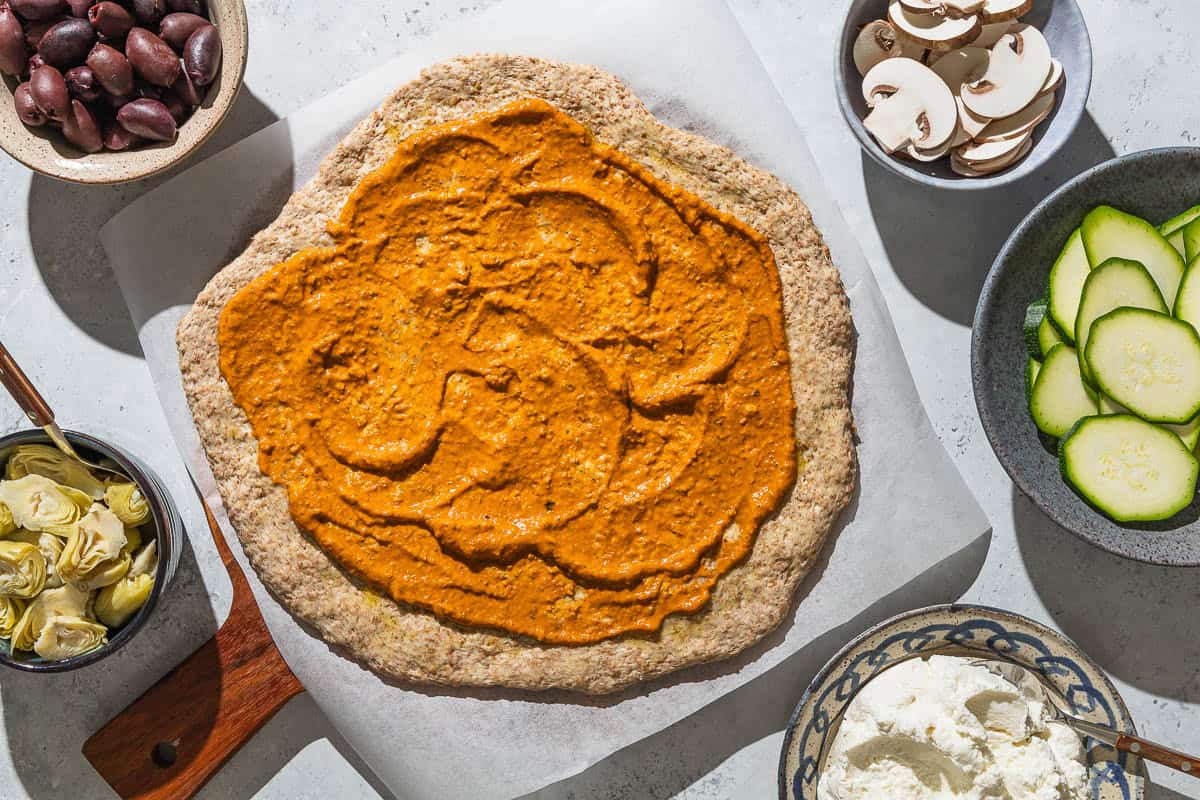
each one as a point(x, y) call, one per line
point(11, 609)
point(65, 601)
point(7, 525)
point(133, 539)
point(22, 569)
point(128, 503)
point(68, 636)
point(116, 603)
point(94, 553)
point(39, 504)
point(52, 463)
point(146, 561)
point(51, 548)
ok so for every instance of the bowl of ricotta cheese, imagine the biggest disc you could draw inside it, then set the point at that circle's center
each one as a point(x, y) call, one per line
point(907, 712)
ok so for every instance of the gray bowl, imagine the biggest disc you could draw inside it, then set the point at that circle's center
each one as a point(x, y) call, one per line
point(168, 533)
point(1155, 184)
point(1060, 21)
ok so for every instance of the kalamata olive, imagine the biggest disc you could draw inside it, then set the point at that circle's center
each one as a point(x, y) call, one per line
point(79, 8)
point(112, 69)
point(28, 110)
point(12, 42)
point(67, 43)
point(32, 10)
point(35, 61)
point(151, 57)
point(149, 12)
point(81, 129)
point(180, 110)
point(49, 91)
point(176, 28)
point(149, 119)
point(117, 138)
point(110, 20)
point(187, 91)
point(197, 7)
point(202, 55)
point(82, 84)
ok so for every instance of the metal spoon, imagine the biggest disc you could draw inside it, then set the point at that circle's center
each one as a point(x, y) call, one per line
point(38, 410)
point(1123, 742)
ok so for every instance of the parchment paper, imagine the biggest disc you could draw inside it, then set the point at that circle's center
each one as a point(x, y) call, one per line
point(691, 64)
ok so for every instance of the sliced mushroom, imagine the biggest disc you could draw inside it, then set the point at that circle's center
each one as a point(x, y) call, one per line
point(1017, 68)
point(983, 168)
point(984, 152)
point(875, 42)
point(1020, 123)
point(990, 34)
point(1004, 10)
point(936, 153)
point(970, 122)
point(910, 104)
point(956, 68)
point(933, 31)
point(954, 8)
point(1055, 78)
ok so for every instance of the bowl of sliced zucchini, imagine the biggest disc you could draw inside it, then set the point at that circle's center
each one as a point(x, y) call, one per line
point(1085, 356)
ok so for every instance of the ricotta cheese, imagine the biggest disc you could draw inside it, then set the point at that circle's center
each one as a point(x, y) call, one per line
point(944, 729)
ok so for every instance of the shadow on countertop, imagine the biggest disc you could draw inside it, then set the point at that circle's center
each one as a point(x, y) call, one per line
point(1138, 620)
point(666, 763)
point(942, 243)
point(65, 220)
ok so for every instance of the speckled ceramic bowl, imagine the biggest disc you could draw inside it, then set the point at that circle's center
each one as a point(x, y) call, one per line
point(959, 630)
point(1060, 21)
point(168, 533)
point(46, 151)
point(1155, 184)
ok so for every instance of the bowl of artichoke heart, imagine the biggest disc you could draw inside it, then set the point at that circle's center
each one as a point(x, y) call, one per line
point(84, 554)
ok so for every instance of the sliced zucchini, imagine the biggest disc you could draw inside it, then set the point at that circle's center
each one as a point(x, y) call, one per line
point(1187, 303)
point(1032, 368)
point(1040, 332)
point(1177, 222)
point(1147, 362)
point(1188, 432)
point(1129, 469)
point(1048, 335)
point(1066, 283)
point(1191, 240)
point(1176, 240)
point(1110, 233)
point(1116, 283)
point(1059, 398)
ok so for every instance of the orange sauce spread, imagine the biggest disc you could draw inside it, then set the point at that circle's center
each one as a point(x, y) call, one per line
point(531, 387)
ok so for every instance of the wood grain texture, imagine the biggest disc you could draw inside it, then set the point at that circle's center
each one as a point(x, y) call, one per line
point(1159, 754)
point(205, 709)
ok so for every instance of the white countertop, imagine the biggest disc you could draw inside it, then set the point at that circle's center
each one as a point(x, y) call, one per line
point(63, 318)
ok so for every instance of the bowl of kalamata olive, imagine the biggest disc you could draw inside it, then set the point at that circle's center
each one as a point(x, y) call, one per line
point(108, 91)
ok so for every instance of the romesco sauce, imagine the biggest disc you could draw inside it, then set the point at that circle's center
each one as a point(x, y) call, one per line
point(530, 387)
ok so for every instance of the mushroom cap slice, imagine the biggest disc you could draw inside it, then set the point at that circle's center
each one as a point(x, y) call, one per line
point(1004, 10)
point(971, 123)
point(1020, 123)
point(933, 31)
point(985, 152)
point(875, 42)
point(910, 104)
point(990, 34)
point(1017, 68)
point(956, 8)
point(1055, 78)
point(925, 156)
point(964, 65)
point(984, 168)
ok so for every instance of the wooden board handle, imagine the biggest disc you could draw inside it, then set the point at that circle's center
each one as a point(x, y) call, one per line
point(1159, 754)
point(173, 738)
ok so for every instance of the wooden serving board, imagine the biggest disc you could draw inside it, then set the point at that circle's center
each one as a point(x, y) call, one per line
point(173, 738)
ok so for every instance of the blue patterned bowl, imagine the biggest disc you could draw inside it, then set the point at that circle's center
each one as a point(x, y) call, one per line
point(958, 630)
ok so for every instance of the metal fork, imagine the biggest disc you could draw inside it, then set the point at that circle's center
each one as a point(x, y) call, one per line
point(1123, 742)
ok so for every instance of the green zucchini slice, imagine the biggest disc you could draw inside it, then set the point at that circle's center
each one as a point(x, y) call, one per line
point(1131, 470)
point(1059, 397)
point(1066, 283)
point(1114, 284)
point(1109, 233)
point(1147, 362)
point(1188, 432)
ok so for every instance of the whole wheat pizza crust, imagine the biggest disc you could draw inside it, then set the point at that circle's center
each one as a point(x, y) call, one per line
point(411, 645)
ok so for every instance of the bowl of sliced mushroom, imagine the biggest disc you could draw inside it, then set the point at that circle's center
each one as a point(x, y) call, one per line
point(963, 94)
point(84, 555)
